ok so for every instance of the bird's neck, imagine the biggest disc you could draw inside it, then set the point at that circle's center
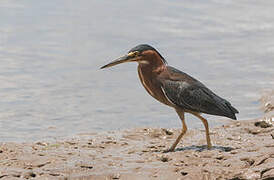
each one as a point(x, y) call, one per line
point(152, 67)
point(151, 71)
point(148, 76)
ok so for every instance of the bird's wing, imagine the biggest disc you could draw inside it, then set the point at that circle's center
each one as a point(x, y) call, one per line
point(190, 94)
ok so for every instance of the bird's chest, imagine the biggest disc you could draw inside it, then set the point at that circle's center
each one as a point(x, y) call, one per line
point(152, 86)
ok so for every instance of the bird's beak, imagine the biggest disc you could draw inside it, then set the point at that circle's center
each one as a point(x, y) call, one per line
point(130, 57)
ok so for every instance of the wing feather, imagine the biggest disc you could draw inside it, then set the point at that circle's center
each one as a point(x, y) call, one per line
point(190, 94)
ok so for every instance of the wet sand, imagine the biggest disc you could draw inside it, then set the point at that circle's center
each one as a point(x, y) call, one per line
point(241, 150)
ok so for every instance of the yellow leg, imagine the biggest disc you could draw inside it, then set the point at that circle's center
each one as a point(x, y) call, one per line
point(209, 146)
point(182, 117)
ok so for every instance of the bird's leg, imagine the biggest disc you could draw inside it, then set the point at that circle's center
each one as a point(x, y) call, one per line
point(209, 145)
point(182, 117)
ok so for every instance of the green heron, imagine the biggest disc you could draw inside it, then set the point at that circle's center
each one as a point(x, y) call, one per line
point(175, 88)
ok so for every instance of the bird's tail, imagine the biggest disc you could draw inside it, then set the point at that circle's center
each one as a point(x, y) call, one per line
point(232, 112)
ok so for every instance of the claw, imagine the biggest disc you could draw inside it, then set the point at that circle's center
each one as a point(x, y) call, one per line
point(168, 150)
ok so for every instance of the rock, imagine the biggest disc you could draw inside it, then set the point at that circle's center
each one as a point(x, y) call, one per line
point(184, 173)
point(253, 131)
point(54, 174)
point(115, 176)
point(42, 144)
point(28, 175)
point(40, 163)
point(167, 131)
point(87, 166)
point(164, 158)
point(262, 124)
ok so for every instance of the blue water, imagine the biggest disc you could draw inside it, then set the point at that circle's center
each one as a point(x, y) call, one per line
point(51, 51)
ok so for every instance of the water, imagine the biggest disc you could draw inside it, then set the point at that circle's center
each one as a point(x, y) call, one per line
point(51, 51)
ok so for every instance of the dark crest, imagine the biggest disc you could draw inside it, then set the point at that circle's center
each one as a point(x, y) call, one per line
point(145, 47)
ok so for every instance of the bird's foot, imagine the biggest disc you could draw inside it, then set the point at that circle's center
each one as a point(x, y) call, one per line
point(168, 150)
point(209, 146)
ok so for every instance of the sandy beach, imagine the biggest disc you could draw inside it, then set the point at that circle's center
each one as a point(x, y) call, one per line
point(64, 116)
point(242, 149)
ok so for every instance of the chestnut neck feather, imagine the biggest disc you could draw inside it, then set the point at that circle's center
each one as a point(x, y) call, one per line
point(148, 73)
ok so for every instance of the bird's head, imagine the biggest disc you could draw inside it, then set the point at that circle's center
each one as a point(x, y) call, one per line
point(143, 54)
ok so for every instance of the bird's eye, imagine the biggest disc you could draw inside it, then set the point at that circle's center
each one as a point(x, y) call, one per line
point(134, 54)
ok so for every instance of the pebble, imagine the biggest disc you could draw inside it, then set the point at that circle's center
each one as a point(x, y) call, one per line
point(164, 158)
point(168, 132)
point(87, 166)
point(42, 144)
point(116, 176)
point(28, 175)
point(262, 124)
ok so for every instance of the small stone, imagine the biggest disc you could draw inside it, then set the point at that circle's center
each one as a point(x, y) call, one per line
point(109, 142)
point(102, 147)
point(234, 152)
point(262, 124)
point(167, 131)
point(220, 157)
point(238, 124)
point(41, 163)
point(54, 174)
point(131, 151)
point(253, 131)
point(85, 165)
point(124, 144)
point(29, 175)
point(145, 150)
point(42, 144)
point(164, 158)
point(178, 164)
point(116, 176)
point(70, 142)
point(140, 161)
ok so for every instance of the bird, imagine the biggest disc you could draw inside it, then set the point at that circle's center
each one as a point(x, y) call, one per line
point(176, 89)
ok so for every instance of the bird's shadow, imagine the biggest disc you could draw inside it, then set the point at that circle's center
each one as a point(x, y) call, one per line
point(203, 148)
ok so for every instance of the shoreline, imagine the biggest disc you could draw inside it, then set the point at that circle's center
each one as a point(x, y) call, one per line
point(240, 150)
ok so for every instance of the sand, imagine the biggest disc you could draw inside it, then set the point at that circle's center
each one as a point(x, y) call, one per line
point(241, 150)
